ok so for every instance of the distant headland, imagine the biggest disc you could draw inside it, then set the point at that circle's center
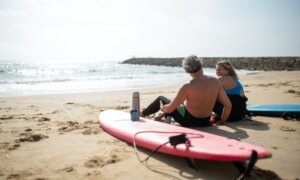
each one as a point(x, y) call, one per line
point(248, 63)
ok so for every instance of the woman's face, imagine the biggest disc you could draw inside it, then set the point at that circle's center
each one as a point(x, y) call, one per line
point(221, 71)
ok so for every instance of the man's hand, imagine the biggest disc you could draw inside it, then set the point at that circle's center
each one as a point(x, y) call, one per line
point(221, 122)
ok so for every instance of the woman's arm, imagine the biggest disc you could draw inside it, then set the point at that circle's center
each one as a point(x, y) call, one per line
point(179, 99)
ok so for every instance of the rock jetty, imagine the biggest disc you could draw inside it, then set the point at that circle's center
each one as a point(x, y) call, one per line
point(248, 63)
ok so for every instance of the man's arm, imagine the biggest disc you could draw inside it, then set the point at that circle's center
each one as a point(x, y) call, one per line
point(179, 99)
point(224, 100)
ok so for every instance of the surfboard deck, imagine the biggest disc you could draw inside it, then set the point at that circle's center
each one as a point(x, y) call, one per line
point(150, 134)
point(276, 110)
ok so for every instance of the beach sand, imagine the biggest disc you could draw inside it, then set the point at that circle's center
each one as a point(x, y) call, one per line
point(58, 136)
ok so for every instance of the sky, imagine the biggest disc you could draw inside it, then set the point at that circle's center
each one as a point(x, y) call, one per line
point(101, 30)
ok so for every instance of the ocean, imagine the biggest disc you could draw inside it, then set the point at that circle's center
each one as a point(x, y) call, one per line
point(36, 78)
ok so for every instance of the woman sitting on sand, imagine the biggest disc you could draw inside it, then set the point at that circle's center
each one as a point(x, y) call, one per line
point(234, 90)
point(195, 100)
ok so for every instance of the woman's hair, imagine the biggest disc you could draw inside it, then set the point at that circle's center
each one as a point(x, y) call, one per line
point(191, 64)
point(229, 67)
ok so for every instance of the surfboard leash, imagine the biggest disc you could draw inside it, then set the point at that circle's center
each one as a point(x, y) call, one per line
point(173, 140)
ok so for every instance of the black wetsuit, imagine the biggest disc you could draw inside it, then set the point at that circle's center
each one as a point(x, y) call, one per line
point(186, 120)
point(238, 110)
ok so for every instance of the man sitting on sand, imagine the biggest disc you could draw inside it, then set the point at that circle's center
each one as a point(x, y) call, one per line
point(194, 102)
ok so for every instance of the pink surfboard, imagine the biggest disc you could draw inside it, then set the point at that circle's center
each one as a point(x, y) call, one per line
point(150, 134)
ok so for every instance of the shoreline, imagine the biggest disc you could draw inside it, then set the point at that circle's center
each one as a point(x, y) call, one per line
point(58, 136)
point(94, 92)
point(174, 84)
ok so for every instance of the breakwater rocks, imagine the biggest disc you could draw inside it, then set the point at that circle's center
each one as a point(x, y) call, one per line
point(249, 63)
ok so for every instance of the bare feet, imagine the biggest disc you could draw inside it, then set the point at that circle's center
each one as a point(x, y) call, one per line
point(159, 117)
point(141, 114)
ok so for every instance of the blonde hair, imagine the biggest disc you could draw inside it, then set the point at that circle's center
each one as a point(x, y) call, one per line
point(229, 67)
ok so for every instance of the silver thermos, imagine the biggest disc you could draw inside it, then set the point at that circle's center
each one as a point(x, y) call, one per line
point(135, 109)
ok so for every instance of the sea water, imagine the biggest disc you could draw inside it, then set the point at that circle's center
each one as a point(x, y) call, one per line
point(33, 78)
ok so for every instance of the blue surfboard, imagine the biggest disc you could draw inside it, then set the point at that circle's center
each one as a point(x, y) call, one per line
point(286, 111)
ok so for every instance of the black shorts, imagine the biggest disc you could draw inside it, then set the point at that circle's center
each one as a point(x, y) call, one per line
point(186, 120)
point(189, 120)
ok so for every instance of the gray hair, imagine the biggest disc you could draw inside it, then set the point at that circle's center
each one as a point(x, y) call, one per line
point(191, 64)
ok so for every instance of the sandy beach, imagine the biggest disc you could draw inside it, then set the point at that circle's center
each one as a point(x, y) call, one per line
point(58, 136)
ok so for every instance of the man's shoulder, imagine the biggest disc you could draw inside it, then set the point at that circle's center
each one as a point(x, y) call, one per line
point(212, 78)
point(186, 85)
point(214, 81)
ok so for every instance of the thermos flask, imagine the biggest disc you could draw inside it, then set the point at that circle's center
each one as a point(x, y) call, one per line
point(135, 109)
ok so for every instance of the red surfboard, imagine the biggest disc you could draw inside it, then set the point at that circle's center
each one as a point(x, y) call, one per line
point(150, 134)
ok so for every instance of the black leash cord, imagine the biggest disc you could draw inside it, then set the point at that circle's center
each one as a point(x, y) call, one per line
point(158, 147)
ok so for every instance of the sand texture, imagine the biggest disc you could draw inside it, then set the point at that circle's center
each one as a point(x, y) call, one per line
point(58, 136)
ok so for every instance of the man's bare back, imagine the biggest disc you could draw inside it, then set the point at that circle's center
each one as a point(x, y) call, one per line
point(203, 93)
